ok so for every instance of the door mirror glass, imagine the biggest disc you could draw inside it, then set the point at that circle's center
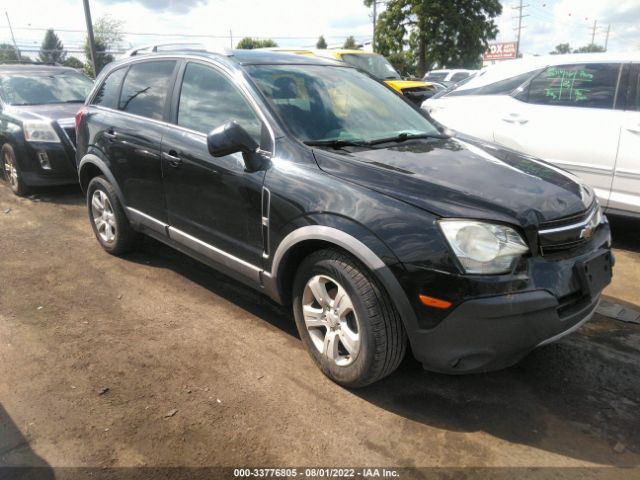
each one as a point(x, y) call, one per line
point(230, 138)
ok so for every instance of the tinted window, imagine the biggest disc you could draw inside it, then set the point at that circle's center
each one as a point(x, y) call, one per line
point(459, 76)
point(107, 94)
point(435, 76)
point(208, 99)
point(145, 88)
point(44, 86)
point(634, 102)
point(592, 86)
point(502, 87)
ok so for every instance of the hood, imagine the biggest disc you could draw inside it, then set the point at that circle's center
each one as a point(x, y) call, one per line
point(464, 178)
point(52, 111)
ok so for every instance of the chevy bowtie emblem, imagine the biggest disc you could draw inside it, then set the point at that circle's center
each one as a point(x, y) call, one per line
point(586, 232)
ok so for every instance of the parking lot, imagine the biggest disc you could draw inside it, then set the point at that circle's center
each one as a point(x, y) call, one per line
point(157, 360)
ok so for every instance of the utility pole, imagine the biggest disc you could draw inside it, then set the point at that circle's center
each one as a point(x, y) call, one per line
point(606, 41)
point(520, 9)
point(12, 37)
point(375, 16)
point(231, 39)
point(593, 33)
point(92, 40)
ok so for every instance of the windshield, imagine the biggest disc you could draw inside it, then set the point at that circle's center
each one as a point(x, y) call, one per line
point(376, 65)
point(37, 88)
point(336, 103)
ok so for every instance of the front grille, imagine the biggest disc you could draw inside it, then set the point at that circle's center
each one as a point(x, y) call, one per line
point(568, 233)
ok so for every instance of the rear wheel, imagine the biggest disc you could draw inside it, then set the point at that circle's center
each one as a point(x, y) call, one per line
point(346, 319)
point(11, 171)
point(110, 224)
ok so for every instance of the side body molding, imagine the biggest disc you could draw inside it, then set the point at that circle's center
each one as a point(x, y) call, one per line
point(355, 247)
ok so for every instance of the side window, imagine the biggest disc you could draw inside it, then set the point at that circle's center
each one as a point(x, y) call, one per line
point(501, 87)
point(459, 76)
point(634, 99)
point(145, 88)
point(587, 85)
point(107, 94)
point(208, 100)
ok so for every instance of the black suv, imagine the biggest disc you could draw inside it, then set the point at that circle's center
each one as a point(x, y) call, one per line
point(37, 129)
point(321, 187)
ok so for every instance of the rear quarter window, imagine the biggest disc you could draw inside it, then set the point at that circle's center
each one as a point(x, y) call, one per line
point(586, 85)
point(108, 92)
point(145, 88)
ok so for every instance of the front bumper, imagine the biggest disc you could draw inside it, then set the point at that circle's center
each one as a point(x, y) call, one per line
point(496, 332)
point(61, 158)
point(494, 321)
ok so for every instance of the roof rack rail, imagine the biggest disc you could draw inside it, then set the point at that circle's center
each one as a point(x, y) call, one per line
point(165, 47)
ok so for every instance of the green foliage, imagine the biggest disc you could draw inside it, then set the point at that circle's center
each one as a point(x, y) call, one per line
point(404, 62)
point(8, 53)
point(591, 48)
point(561, 49)
point(321, 44)
point(73, 62)
point(248, 43)
point(446, 33)
point(107, 33)
point(350, 43)
point(52, 50)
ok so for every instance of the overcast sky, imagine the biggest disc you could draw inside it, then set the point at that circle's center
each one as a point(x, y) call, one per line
point(300, 22)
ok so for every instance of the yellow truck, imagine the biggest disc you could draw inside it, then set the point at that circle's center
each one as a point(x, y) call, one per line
point(376, 65)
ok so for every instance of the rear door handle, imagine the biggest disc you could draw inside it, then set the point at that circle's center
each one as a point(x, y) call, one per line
point(514, 118)
point(634, 130)
point(172, 158)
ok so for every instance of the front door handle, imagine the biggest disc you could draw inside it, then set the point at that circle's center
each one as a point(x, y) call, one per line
point(172, 158)
point(634, 130)
point(514, 118)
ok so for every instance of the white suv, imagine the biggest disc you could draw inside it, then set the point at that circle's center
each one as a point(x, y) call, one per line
point(580, 112)
point(448, 77)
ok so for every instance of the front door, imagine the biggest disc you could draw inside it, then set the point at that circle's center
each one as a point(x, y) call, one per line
point(214, 204)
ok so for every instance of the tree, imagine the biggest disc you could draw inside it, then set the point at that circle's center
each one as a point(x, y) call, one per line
point(561, 49)
point(52, 50)
point(591, 48)
point(248, 43)
point(350, 43)
point(8, 53)
point(321, 44)
point(73, 62)
point(447, 33)
point(108, 35)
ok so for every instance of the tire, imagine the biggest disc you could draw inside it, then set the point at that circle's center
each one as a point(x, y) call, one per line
point(11, 171)
point(108, 220)
point(355, 335)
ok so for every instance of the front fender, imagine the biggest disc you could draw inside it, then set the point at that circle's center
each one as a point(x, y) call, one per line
point(89, 166)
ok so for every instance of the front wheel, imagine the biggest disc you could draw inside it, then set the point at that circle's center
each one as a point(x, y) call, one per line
point(346, 319)
point(11, 171)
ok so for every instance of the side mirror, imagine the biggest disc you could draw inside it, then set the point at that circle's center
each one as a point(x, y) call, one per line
point(230, 138)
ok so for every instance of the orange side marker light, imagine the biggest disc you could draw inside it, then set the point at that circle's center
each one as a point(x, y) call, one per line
point(434, 302)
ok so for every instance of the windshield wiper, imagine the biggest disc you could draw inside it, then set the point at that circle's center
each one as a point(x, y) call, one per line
point(401, 137)
point(337, 143)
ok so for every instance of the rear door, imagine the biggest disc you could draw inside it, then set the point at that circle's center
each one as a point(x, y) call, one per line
point(566, 115)
point(625, 192)
point(130, 130)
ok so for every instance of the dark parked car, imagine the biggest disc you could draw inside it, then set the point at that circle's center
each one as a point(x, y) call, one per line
point(322, 188)
point(37, 130)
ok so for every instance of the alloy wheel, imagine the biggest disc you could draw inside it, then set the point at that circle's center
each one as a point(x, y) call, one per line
point(10, 170)
point(103, 216)
point(331, 320)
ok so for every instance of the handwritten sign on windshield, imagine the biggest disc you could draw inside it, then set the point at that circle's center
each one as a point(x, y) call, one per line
point(568, 85)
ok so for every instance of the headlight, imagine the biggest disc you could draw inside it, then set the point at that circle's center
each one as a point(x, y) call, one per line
point(484, 247)
point(39, 131)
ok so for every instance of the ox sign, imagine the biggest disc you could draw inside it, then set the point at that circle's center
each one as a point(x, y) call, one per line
point(500, 51)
